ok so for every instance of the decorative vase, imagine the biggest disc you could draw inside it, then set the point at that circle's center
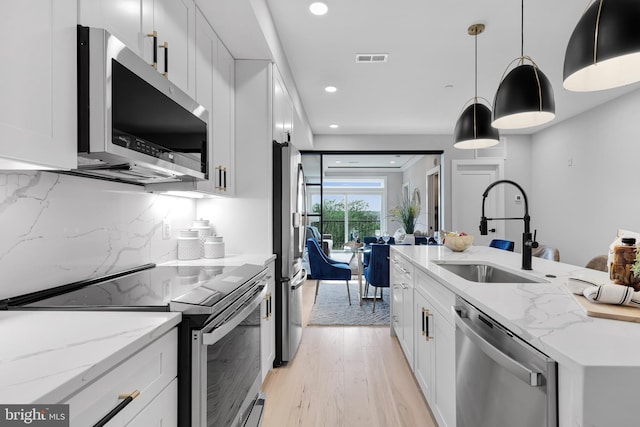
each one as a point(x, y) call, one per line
point(409, 239)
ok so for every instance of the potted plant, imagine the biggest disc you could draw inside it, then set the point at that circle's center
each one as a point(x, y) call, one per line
point(406, 213)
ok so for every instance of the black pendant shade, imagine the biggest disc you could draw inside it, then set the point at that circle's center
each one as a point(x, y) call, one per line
point(524, 98)
point(473, 128)
point(604, 49)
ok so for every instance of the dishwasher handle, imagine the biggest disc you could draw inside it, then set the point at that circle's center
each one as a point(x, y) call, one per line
point(299, 280)
point(534, 379)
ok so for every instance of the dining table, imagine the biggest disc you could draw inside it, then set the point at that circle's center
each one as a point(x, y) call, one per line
point(358, 250)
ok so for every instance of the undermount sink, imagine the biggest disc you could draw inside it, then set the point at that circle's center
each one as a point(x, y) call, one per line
point(485, 273)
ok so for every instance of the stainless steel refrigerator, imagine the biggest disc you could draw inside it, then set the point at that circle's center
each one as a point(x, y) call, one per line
point(289, 230)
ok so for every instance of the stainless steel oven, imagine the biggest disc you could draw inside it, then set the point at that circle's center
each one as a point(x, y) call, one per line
point(225, 367)
point(501, 381)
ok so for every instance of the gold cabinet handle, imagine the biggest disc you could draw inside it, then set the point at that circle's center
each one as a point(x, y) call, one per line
point(126, 399)
point(154, 35)
point(165, 46)
point(427, 314)
point(269, 306)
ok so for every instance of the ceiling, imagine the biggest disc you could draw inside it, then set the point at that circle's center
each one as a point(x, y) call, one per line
point(429, 75)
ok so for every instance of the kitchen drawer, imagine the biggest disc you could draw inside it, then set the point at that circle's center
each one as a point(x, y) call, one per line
point(149, 371)
point(161, 412)
point(441, 297)
point(402, 264)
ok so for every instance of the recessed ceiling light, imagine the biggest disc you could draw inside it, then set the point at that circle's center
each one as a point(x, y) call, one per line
point(330, 89)
point(392, 162)
point(338, 162)
point(318, 8)
point(334, 126)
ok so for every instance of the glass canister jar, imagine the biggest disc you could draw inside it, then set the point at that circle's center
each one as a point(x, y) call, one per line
point(188, 245)
point(624, 256)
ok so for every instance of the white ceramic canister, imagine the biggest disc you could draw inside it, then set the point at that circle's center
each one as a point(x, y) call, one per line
point(214, 247)
point(204, 230)
point(188, 245)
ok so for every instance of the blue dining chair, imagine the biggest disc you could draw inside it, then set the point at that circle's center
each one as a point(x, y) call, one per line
point(377, 273)
point(422, 240)
point(325, 268)
point(368, 240)
point(506, 245)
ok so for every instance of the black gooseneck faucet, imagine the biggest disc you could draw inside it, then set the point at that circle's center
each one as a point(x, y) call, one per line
point(528, 242)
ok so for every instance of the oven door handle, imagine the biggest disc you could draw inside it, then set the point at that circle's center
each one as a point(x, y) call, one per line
point(214, 336)
point(534, 379)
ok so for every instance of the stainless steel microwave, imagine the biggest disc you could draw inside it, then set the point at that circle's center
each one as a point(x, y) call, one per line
point(134, 125)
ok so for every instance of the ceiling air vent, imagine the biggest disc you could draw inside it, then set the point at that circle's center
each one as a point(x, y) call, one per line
point(372, 57)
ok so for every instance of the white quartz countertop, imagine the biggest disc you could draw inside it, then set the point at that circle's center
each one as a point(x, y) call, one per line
point(47, 355)
point(230, 260)
point(543, 314)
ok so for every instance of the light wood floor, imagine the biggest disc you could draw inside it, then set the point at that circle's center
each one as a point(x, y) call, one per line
point(344, 376)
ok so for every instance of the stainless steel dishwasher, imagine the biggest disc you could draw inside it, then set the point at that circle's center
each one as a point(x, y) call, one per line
point(501, 381)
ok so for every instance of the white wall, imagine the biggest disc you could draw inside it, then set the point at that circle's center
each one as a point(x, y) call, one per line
point(416, 176)
point(579, 207)
point(517, 167)
point(58, 229)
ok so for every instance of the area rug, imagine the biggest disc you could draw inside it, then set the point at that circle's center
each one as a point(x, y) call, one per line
point(332, 306)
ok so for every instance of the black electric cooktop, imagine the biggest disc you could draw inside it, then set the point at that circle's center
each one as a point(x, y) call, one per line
point(149, 288)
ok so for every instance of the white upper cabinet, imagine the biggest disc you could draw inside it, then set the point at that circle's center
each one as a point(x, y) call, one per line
point(206, 56)
point(166, 27)
point(38, 119)
point(122, 18)
point(214, 87)
point(282, 109)
point(224, 122)
point(174, 22)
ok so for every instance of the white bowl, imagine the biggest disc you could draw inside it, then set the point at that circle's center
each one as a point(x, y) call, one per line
point(458, 243)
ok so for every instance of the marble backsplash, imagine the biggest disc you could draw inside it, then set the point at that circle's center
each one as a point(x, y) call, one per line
point(56, 229)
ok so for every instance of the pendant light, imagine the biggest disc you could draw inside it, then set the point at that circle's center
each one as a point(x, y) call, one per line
point(473, 128)
point(524, 97)
point(604, 49)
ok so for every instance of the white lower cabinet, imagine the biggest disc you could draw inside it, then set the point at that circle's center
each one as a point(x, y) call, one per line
point(152, 372)
point(435, 347)
point(444, 400)
point(268, 324)
point(161, 412)
point(401, 285)
point(424, 365)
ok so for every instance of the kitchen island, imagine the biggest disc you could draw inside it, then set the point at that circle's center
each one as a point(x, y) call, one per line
point(598, 359)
